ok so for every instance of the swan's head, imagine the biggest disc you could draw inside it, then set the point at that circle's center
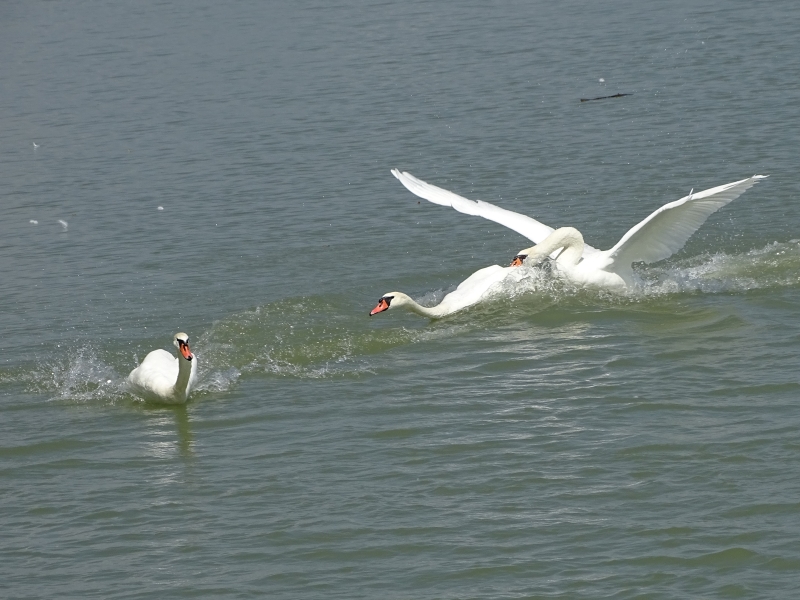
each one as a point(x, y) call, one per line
point(518, 260)
point(532, 256)
point(181, 342)
point(391, 300)
point(383, 304)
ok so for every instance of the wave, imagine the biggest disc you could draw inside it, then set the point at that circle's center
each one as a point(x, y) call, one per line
point(773, 266)
point(308, 338)
point(74, 374)
point(776, 265)
point(317, 338)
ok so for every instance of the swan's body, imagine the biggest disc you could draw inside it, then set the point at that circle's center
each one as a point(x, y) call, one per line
point(164, 377)
point(470, 291)
point(655, 238)
point(570, 263)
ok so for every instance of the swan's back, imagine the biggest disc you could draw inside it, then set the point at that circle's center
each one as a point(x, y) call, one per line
point(156, 375)
point(474, 288)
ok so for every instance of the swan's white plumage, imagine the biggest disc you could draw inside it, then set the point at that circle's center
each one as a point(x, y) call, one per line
point(661, 234)
point(527, 226)
point(164, 377)
point(473, 289)
point(524, 225)
point(470, 291)
point(157, 373)
point(667, 229)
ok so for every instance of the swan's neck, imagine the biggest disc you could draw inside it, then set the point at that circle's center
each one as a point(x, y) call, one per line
point(568, 238)
point(184, 375)
point(434, 312)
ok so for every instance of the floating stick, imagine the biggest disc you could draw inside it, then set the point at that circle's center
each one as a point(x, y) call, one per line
point(604, 97)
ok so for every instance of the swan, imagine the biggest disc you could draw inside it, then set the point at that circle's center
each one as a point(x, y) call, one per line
point(470, 291)
point(655, 238)
point(166, 378)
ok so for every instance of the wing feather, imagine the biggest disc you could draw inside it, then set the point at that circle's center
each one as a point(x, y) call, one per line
point(524, 225)
point(667, 229)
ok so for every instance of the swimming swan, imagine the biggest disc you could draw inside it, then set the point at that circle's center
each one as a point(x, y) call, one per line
point(163, 377)
point(655, 238)
point(470, 291)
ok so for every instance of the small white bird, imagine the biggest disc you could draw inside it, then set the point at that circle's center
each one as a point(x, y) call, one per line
point(160, 208)
point(35, 145)
point(34, 222)
point(163, 377)
point(64, 224)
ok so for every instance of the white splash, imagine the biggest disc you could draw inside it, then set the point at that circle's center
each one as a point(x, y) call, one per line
point(775, 265)
point(79, 375)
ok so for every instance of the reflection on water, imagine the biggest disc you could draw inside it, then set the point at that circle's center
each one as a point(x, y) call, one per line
point(171, 429)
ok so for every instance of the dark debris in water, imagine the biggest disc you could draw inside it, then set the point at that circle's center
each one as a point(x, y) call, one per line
point(605, 97)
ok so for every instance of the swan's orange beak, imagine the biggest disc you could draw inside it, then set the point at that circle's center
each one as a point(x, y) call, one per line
point(517, 262)
point(184, 347)
point(383, 304)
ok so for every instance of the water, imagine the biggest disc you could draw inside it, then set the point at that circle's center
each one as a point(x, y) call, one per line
point(549, 442)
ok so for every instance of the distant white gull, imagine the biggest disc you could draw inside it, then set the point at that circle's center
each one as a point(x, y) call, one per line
point(64, 224)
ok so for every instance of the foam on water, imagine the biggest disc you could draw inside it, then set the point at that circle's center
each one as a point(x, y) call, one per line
point(302, 338)
point(74, 374)
point(316, 337)
point(306, 337)
point(83, 374)
point(774, 265)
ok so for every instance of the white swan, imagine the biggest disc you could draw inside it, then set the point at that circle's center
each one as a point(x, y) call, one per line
point(163, 377)
point(470, 291)
point(655, 238)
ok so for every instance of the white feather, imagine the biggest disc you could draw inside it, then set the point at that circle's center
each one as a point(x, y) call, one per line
point(522, 224)
point(655, 238)
point(667, 229)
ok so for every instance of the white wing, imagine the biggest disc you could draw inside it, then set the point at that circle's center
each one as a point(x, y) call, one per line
point(666, 230)
point(530, 228)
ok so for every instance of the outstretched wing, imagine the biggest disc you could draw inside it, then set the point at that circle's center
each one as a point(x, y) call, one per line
point(530, 228)
point(666, 230)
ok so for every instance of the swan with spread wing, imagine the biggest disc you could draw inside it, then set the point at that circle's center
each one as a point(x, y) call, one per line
point(655, 238)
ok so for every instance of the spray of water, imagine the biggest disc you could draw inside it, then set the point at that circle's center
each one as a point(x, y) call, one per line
point(318, 338)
